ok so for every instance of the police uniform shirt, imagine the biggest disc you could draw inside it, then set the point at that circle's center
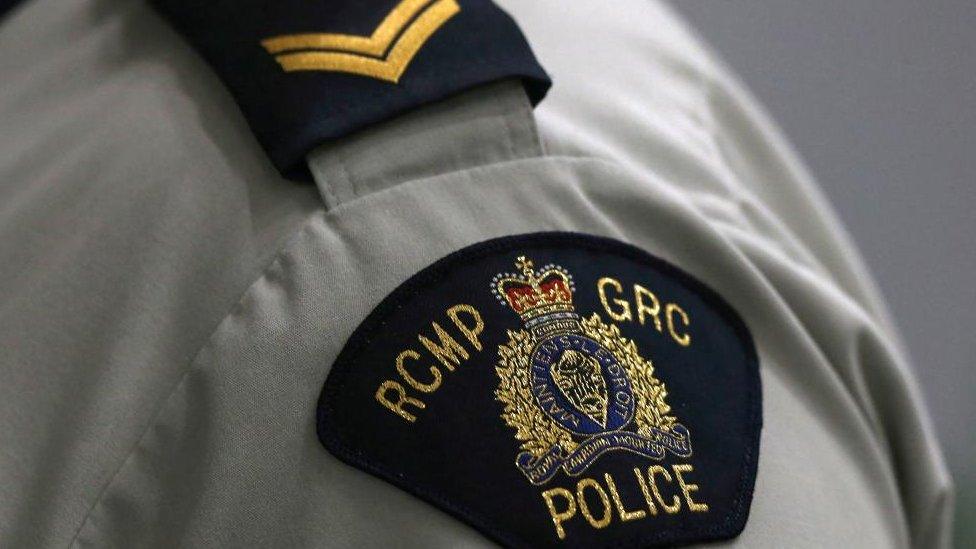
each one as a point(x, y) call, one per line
point(196, 349)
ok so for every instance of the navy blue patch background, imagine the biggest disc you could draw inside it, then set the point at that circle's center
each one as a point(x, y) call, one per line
point(460, 454)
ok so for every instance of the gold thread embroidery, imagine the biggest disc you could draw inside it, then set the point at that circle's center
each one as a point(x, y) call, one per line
point(607, 493)
point(644, 491)
point(470, 332)
point(419, 370)
point(640, 293)
point(683, 339)
point(445, 352)
point(560, 378)
point(397, 407)
point(687, 488)
point(645, 304)
point(625, 515)
point(557, 516)
point(675, 502)
point(365, 55)
point(374, 45)
point(584, 507)
point(624, 313)
point(412, 381)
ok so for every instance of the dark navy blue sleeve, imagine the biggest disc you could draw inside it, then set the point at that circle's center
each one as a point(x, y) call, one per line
point(307, 72)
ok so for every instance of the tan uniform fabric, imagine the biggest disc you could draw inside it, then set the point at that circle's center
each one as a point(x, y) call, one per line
point(170, 307)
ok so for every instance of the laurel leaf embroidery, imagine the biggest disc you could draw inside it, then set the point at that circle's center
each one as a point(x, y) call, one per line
point(534, 428)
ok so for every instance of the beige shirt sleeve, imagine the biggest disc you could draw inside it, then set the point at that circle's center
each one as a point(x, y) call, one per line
point(171, 308)
point(680, 115)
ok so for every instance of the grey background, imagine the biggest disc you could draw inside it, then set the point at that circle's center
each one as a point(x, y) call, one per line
point(879, 98)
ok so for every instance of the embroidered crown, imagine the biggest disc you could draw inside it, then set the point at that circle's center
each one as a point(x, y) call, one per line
point(536, 295)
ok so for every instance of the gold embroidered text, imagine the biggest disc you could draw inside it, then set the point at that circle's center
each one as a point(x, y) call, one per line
point(646, 308)
point(649, 491)
point(417, 368)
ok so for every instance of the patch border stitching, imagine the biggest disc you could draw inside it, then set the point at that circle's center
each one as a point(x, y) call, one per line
point(330, 437)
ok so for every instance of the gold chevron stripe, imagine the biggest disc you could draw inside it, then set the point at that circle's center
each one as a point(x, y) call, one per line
point(365, 55)
point(375, 45)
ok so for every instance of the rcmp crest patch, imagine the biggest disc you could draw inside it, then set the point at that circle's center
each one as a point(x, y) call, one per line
point(604, 399)
point(573, 388)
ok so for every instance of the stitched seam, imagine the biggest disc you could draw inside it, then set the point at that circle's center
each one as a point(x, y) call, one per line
point(517, 150)
point(322, 119)
point(331, 201)
point(349, 189)
point(522, 140)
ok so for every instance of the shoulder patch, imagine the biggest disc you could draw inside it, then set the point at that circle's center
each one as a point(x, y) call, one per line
point(555, 389)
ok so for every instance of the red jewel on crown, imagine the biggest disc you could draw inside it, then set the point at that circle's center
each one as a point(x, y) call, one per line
point(535, 294)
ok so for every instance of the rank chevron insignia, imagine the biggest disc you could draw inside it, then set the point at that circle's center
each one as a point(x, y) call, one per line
point(572, 388)
point(384, 55)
